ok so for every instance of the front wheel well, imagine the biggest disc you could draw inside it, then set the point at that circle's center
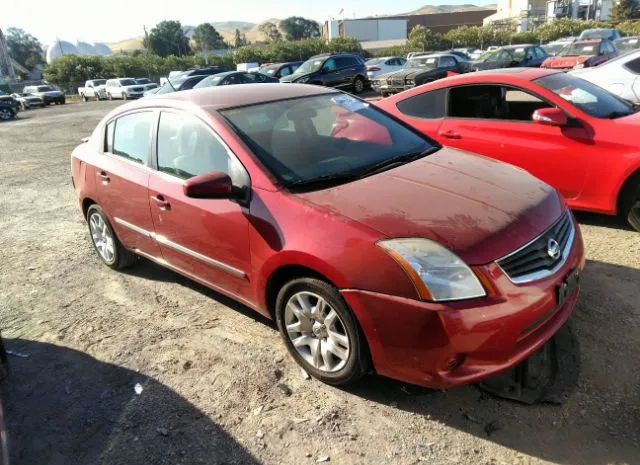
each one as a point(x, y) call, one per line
point(627, 189)
point(282, 276)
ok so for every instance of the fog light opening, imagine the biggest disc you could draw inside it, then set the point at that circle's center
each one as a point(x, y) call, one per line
point(454, 362)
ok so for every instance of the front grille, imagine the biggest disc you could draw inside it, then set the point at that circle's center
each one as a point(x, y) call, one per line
point(397, 82)
point(536, 260)
point(137, 89)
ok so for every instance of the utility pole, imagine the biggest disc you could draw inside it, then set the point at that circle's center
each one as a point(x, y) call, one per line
point(6, 59)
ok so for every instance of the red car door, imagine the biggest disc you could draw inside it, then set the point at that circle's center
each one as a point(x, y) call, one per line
point(205, 238)
point(122, 177)
point(496, 121)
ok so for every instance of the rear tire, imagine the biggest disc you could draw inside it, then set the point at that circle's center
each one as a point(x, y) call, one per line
point(358, 85)
point(630, 204)
point(330, 328)
point(105, 242)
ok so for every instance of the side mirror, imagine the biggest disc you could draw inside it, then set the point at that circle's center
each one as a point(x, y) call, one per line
point(549, 117)
point(214, 185)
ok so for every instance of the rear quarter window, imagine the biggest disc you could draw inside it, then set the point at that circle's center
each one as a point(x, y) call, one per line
point(132, 136)
point(633, 66)
point(429, 105)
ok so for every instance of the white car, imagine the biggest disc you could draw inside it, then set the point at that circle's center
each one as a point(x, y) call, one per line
point(377, 66)
point(620, 75)
point(124, 88)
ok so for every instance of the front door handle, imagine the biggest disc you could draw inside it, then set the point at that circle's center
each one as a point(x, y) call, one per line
point(161, 202)
point(104, 177)
point(450, 135)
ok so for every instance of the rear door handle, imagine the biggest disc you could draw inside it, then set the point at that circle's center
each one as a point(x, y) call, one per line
point(450, 135)
point(104, 177)
point(161, 202)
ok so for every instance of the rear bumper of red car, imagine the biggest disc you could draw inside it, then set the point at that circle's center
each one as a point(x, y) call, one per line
point(446, 345)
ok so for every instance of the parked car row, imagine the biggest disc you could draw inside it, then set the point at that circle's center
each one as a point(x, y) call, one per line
point(31, 97)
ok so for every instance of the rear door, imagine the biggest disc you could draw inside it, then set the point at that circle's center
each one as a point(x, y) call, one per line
point(495, 121)
point(205, 238)
point(347, 67)
point(122, 178)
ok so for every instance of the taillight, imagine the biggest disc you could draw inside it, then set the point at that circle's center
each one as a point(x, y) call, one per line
point(373, 68)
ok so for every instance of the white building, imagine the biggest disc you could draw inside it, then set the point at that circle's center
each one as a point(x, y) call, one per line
point(366, 29)
point(582, 9)
point(517, 13)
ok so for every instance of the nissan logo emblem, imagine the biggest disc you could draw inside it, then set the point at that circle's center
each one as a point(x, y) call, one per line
point(553, 248)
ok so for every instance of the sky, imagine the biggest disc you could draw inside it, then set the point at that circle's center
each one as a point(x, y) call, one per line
point(115, 20)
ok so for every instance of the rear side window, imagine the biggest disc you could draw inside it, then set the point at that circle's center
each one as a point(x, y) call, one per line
point(430, 105)
point(343, 62)
point(108, 143)
point(132, 136)
point(187, 148)
point(633, 66)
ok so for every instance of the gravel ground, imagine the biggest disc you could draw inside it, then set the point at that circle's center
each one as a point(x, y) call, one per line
point(215, 383)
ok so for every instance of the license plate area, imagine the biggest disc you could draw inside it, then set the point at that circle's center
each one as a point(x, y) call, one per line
point(568, 286)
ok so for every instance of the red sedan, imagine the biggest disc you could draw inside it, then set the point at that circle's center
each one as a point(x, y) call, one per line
point(371, 246)
point(582, 54)
point(564, 130)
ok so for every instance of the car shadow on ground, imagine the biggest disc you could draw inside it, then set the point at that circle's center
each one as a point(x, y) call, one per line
point(64, 407)
point(605, 221)
point(543, 430)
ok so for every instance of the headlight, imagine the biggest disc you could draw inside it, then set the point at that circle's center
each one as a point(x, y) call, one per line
point(578, 66)
point(437, 273)
point(302, 80)
point(410, 82)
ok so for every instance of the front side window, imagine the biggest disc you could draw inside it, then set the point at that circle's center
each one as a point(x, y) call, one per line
point(429, 105)
point(316, 141)
point(132, 136)
point(588, 97)
point(330, 65)
point(493, 102)
point(187, 148)
point(447, 62)
point(310, 66)
point(285, 71)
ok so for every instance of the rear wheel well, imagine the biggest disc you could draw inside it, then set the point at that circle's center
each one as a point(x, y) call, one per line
point(627, 190)
point(86, 203)
point(282, 276)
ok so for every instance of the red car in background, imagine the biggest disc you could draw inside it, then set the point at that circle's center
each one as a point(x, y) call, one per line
point(568, 132)
point(582, 54)
point(373, 247)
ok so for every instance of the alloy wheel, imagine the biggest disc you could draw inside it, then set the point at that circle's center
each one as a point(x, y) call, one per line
point(316, 331)
point(359, 85)
point(102, 238)
point(5, 114)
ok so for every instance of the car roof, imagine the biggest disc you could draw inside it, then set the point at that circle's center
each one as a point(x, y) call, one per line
point(524, 74)
point(219, 98)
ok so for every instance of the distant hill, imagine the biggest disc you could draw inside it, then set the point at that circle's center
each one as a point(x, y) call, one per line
point(431, 9)
point(128, 45)
point(233, 25)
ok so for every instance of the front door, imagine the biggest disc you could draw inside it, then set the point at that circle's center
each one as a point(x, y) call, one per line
point(205, 238)
point(495, 121)
point(122, 177)
point(331, 75)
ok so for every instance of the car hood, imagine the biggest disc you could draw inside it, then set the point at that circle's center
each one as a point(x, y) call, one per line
point(565, 62)
point(479, 208)
point(294, 77)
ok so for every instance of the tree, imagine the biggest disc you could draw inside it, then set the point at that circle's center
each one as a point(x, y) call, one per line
point(23, 47)
point(624, 10)
point(207, 38)
point(421, 38)
point(271, 31)
point(297, 28)
point(168, 38)
point(240, 39)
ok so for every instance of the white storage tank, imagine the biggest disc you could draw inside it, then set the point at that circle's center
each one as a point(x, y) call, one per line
point(59, 48)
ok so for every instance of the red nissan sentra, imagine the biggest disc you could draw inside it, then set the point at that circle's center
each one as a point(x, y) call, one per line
point(373, 248)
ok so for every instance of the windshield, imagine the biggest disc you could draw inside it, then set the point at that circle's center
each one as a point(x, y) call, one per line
point(588, 97)
point(128, 82)
point(44, 89)
point(424, 63)
point(269, 70)
point(310, 66)
point(314, 142)
point(596, 34)
point(99, 82)
point(165, 89)
point(554, 49)
point(489, 54)
point(576, 49)
point(143, 81)
point(209, 81)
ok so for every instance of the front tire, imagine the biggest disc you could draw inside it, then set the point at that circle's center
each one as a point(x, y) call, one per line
point(124, 96)
point(105, 242)
point(84, 98)
point(630, 206)
point(358, 85)
point(109, 96)
point(320, 331)
point(6, 114)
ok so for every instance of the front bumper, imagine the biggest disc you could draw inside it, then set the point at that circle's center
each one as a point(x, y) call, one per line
point(135, 94)
point(391, 88)
point(447, 345)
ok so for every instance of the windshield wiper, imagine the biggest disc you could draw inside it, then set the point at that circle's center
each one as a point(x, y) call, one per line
point(396, 161)
point(324, 181)
point(618, 114)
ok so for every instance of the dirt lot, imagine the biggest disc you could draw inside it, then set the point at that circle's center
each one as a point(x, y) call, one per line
point(217, 384)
